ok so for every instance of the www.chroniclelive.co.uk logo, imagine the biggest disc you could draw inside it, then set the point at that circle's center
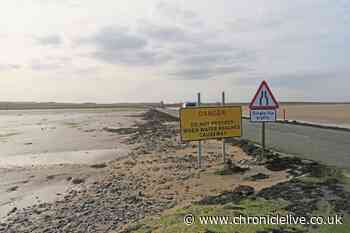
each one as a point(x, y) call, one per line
point(257, 220)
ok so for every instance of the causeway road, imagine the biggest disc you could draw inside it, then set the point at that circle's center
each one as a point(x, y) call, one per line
point(327, 145)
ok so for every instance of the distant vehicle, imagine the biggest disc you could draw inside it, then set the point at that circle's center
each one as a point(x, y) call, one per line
point(189, 104)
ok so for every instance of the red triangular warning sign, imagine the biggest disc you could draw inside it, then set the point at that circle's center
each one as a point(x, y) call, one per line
point(263, 99)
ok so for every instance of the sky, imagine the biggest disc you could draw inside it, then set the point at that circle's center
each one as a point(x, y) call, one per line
point(147, 51)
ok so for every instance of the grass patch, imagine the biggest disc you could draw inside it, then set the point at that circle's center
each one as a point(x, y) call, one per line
point(342, 175)
point(174, 222)
point(251, 206)
point(344, 228)
point(326, 210)
point(221, 172)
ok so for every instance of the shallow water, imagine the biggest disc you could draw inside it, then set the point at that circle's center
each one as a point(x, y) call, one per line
point(38, 132)
point(37, 144)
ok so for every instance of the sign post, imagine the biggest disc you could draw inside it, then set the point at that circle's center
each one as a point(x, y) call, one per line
point(263, 140)
point(223, 140)
point(199, 162)
point(263, 109)
point(212, 122)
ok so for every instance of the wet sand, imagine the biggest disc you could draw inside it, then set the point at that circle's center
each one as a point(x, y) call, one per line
point(43, 151)
point(326, 114)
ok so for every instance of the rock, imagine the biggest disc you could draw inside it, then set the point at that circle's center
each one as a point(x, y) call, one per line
point(283, 163)
point(303, 196)
point(121, 130)
point(130, 163)
point(318, 170)
point(12, 189)
point(259, 176)
point(97, 166)
point(37, 211)
point(244, 190)
point(235, 196)
point(13, 210)
point(50, 177)
point(231, 168)
point(78, 180)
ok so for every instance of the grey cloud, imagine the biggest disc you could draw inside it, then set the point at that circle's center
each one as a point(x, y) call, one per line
point(165, 33)
point(226, 57)
point(182, 45)
point(252, 25)
point(208, 59)
point(302, 79)
point(118, 39)
point(119, 45)
point(305, 79)
point(157, 44)
point(135, 58)
point(208, 72)
point(202, 45)
point(50, 40)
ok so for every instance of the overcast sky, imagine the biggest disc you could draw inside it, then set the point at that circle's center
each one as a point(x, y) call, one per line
point(133, 51)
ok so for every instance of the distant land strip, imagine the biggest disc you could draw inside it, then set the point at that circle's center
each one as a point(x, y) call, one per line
point(281, 103)
point(54, 105)
point(57, 105)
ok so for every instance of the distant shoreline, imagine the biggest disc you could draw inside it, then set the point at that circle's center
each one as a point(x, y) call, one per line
point(281, 103)
point(48, 106)
point(56, 105)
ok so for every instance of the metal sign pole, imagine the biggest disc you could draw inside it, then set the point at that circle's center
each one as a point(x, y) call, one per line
point(263, 141)
point(223, 140)
point(199, 142)
point(263, 109)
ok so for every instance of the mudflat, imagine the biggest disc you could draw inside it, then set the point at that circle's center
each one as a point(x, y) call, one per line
point(44, 152)
point(329, 114)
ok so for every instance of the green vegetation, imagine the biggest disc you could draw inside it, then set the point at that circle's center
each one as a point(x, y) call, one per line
point(250, 207)
point(173, 220)
point(341, 175)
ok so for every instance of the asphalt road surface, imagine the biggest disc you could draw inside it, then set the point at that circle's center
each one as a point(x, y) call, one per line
point(329, 146)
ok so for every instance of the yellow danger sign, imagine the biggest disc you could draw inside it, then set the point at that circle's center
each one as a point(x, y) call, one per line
point(201, 123)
